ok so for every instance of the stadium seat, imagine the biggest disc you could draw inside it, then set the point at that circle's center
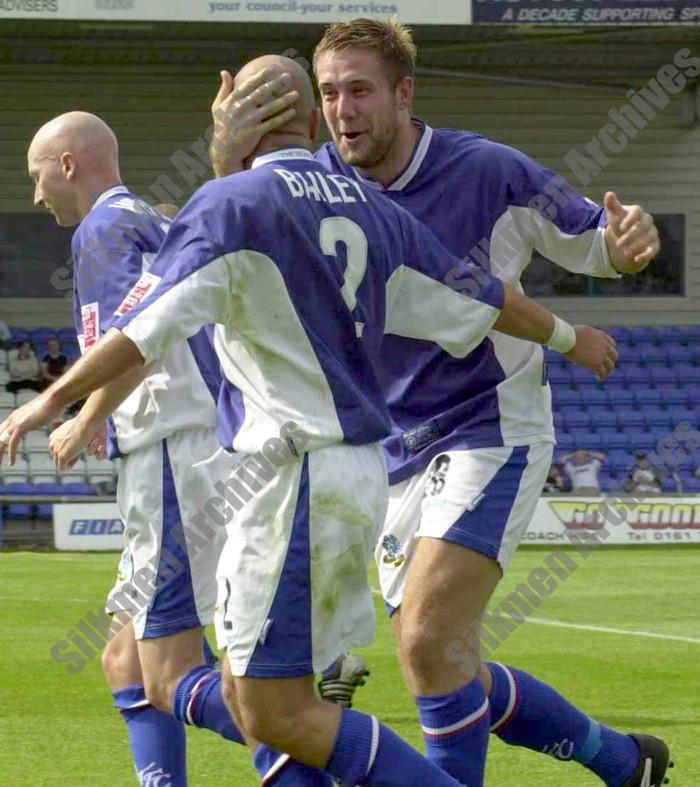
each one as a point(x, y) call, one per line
point(78, 489)
point(36, 443)
point(19, 510)
point(650, 353)
point(619, 395)
point(39, 336)
point(17, 473)
point(18, 335)
point(662, 374)
point(621, 333)
point(45, 510)
point(618, 458)
point(658, 416)
point(642, 440)
point(566, 397)
point(5, 412)
point(678, 353)
point(602, 416)
point(632, 417)
point(42, 470)
point(558, 418)
point(576, 417)
point(66, 336)
point(673, 395)
point(644, 333)
point(687, 373)
point(593, 394)
point(3, 358)
point(595, 441)
point(7, 399)
point(558, 374)
point(4, 377)
point(75, 474)
point(618, 440)
point(645, 396)
point(581, 376)
point(565, 442)
point(635, 374)
point(580, 436)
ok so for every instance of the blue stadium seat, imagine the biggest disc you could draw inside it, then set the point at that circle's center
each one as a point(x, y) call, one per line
point(650, 353)
point(618, 440)
point(554, 359)
point(566, 397)
point(634, 374)
point(20, 510)
point(593, 395)
point(78, 489)
point(667, 333)
point(642, 439)
point(558, 418)
point(602, 416)
point(673, 395)
point(576, 417)
point(595, 441)
point(582, 376)
point(685, 413)
point(559, 375)
point(580, 436)
point(644, 333)
point(67, 335)
point(687, 373)
point(618, 458)
point(632, 417)
point(565, 442)
point(658, 416)
point(621, 333)
point(39, 336)
point(678, 353)
point(662, 374)
point(45, 510)
point(644, 396)
point(18, 335)
point(619, 395)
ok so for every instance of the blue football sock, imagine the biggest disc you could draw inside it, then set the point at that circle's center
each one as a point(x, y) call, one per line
point(526, 712)
point(157, 740)
point(366, 752)
point(281, 770)
point(456, 731)
point(200, 702)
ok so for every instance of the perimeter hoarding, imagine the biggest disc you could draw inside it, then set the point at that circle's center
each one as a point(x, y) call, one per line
point(654, 520)
point(436, 12)
point(83, 526)
point(586, 12)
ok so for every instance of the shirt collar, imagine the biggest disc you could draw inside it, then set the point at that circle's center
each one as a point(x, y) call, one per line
point(414, 163)
point(280, 155)
point(120, 189)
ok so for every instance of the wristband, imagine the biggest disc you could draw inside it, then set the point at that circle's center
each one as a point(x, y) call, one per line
point(563, 336)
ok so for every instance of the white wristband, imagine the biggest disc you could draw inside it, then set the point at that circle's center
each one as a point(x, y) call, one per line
point(563, 336)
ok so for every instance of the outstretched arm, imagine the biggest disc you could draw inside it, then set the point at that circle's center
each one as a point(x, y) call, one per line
point(586, 346)
point(114, 355)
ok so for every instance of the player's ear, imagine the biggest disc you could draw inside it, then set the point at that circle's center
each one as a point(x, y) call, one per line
point(68, 165)
point(314, 124)
point(404, 92)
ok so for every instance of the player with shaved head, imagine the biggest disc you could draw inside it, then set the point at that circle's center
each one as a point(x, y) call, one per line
point(164, 432)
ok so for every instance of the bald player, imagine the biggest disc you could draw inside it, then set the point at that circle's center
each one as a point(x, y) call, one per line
point(165, 433)
point(293, 265)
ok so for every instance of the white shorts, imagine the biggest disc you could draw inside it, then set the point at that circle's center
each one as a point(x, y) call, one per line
point(293, 587)
point(167, 573)
point(482, 498)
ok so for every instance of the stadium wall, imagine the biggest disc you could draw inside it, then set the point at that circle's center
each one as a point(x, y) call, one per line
point(161, 111)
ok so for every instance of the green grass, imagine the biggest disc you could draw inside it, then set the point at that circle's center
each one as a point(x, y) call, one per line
point(60, 729)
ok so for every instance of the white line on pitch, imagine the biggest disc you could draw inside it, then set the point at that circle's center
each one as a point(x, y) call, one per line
point(608, 630)
point(56, 600)
point(601, 629)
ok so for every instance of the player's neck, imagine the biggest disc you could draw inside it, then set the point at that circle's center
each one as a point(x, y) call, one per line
point(398, 156)
point(93, 189)
point(272, 142)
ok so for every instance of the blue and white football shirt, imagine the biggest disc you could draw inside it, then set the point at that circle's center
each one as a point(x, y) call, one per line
point(493, 205)
point(113, 248)
point(277, 256)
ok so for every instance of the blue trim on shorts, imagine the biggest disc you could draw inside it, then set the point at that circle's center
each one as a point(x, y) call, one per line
point(482, 528)
point(173, 607)
point(284, 648)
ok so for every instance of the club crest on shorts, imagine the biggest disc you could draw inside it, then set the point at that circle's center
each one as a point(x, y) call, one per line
point(125, 572)
point(436, 482)
point(392, 546)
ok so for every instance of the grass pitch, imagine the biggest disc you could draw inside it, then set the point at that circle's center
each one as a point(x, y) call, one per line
point(60, 729)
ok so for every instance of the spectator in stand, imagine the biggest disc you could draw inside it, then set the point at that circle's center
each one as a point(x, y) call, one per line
point(54, 362)
point(5, 335)
point(583, 467)
point(556, 482)
point(24, 369)
point(643, 477)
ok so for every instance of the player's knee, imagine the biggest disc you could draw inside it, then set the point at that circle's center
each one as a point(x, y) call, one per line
point(273, 726)
point(116, 664)
point(427, 652)
point(158, 693)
